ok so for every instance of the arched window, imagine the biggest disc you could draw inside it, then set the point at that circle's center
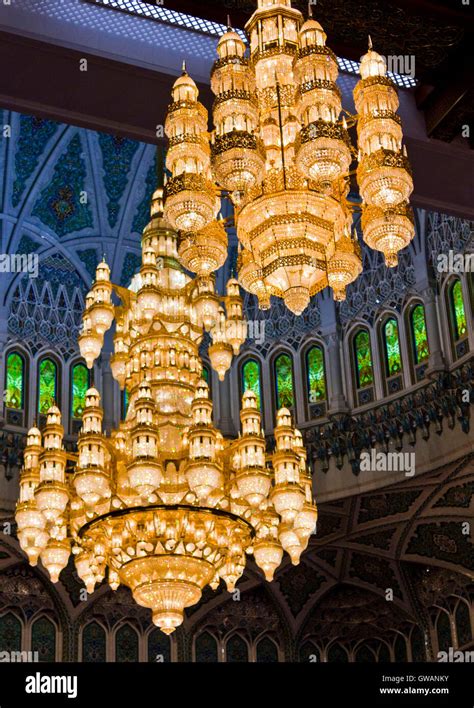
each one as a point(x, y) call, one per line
point(393, 359)
point(126, 644)
point(47, 385)
point(15, 381)
point(400, 648)
point(124, 401)
point(364, 655)
point(443, 631)
point(43, 639)
point(79, 386)
point(315, 375)
point(10, 632)
point(337, 653)
point(159, 646)
point(205, 648)
point(421, 350)
point(458, 312)
point(284, 381)
point(463, 624)
point(418, 652)
point(267, 651)
point(93, 643)
point(236, 650)
point(363, 359)
point(251, 379)
point(309, 653)
point(384, 653)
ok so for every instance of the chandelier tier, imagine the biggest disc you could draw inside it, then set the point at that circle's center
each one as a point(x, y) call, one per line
point(282, 152)
point(164, 505)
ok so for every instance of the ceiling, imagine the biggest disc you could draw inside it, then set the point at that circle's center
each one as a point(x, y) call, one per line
point(439, 34)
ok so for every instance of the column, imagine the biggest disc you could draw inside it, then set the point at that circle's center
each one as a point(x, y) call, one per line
point(337, 401)
point(108, 383)
point(436, 362)
point(226, 424)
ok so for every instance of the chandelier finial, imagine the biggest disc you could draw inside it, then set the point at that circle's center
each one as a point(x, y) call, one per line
point(229, 25)
point(310, 8)
point(183, 68)
point(370, 42)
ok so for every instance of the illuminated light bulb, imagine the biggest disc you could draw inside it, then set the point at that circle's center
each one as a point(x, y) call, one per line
point(290, 542)
point(220, 356)
point(205, 251)
point(145, 476)
point(55, 557)
point(268, 555)
point(84, 571)
point(344, 266)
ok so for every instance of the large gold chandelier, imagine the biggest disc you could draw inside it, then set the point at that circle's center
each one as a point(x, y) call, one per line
point(164, 505)
point(282, 152)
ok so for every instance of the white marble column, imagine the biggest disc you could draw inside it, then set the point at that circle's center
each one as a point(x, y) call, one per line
point(436, 362)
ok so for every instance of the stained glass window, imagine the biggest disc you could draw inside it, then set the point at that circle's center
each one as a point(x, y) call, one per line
point(400, 648)
point(251, 379)
point(15, 381)
point(443, 630)
point(284, 381)
point(363, 359)
point(337, 653)
point(417, 645)
point(267, 651)
point(236, 650)
point(205, 648)
point(43, 639)
point(93, 643)
point(463, 624)
point(393, 359)
point(316, 375)
point(419, 334)
point(125, 401)
point(205, 374)
point(10, 633)
point(48, 381)
point(458, 311)
point(159, 646)
point(126, 644)
point(80, 384)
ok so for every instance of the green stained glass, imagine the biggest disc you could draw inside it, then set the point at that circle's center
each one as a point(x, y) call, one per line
point(80, 384)
point(43, 639)
point(393, 359)
point(284, 381)
point(420, 336)
point(205, 374)
point(93, 643)
point(459, 313)
point(363, 356)
point(15, 381)
point(251, 378)
point(126, 644)
point(125, 402)
point(316, 376)
point(47, 385)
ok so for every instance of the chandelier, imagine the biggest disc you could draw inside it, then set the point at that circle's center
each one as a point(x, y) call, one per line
point(165, 505)
point(282, 153)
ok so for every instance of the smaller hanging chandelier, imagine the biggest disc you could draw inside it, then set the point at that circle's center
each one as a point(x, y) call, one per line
point(281, 151)
point(164, 504)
